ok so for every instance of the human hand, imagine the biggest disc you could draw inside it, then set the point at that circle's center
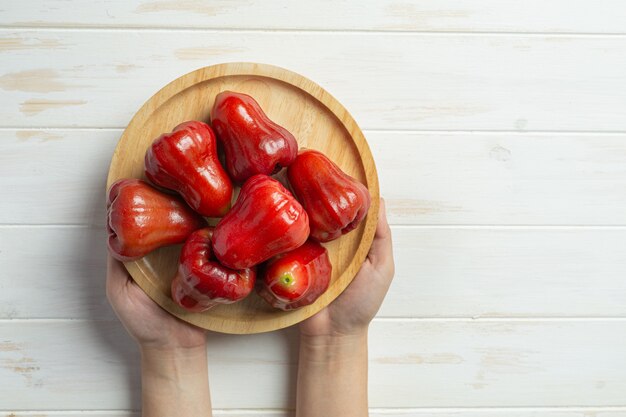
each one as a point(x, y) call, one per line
point(351, 312)
point(173, 353)
point(333, 343)
point(150, 325)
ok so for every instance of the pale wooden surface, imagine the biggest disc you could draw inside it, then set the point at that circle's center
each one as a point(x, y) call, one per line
point(500, 144)
point(467, 363)
point(317, 121)
point(388, 81)
point(530, 16)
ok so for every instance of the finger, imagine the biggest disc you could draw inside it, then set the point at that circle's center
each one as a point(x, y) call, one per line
point(117, 276)
point(382, 227)
point(381, 251)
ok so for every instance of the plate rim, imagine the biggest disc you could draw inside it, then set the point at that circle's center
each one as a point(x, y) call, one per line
point(203, 74)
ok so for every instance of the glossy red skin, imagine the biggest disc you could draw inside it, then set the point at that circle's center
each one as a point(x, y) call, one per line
point(296, 279)
point(253, 144)
point(202, 282)
point(141, 219)
point(336, 202)
point(186, 161)
point(265, 220)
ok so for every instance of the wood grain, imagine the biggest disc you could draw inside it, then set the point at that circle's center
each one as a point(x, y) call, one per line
point(412, 364)
point(64, 170)
point(559, 16)
point(406, 81)
point(316, 119)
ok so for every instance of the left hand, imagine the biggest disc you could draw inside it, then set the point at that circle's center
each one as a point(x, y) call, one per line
point(150, 325)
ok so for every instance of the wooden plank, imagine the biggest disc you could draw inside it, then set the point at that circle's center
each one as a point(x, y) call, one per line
point(426, 178)
point(439, 273)
point(55, 176)
point(53, 273)
point(507, 273)
point(412, 364)
point(504, 178)
point(559, 16)
point(90, 413)
point(387, 81)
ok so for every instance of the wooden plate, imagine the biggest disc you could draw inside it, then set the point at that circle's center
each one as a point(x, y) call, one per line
point(316, 119)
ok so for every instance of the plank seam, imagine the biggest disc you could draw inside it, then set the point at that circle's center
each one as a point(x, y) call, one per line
point(499, 408)
point(130, 28)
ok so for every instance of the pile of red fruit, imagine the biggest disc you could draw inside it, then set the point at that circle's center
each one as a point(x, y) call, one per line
point(266, 229)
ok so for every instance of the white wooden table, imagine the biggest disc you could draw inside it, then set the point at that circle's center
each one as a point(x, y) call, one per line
point(499, 131)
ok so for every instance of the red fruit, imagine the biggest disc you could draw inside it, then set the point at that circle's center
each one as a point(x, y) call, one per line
point(202, 282)
point(297, 278)
point(335, 202)
point(253, 144)
point(141, 219)
point(266, 220)
point(186, 161)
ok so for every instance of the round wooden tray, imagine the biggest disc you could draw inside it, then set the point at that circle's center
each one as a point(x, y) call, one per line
point(315, 118)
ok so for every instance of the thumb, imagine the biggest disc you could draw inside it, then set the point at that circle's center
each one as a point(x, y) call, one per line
point(381, 252)
point(117, 277)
